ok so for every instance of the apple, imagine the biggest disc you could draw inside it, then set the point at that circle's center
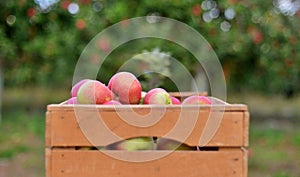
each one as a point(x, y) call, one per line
point(112, 102)
point(168, 144)
point(76, 87)
point(195, 99)
point(175, 100)
point(142, 97)
point(126, 87)
point(101, 148)
point(157, 96)
point(72, 100)
point(134, 144)
point(93, 92)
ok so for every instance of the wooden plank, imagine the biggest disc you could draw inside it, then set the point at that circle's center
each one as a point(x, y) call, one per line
point(72, 163)
point(246, 128)
point(215, 107)
point(183, 95)
point(48, 129)
point(70, 128)
point(48, 162)
point(186, 94)
point(245, 161)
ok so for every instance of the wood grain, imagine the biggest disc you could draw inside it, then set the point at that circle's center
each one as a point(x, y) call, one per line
point(102, 127)
point(72, 163)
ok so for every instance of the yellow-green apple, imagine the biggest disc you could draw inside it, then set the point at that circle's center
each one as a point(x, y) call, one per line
point(175, 100)
point(134, 144)
point(112, 102)
point(142, 97)
point(126, 87)
point(157, 96)
point(76, 87)
point(93, 92)
point(168, 144)
point(195, 99)
point(72, 100)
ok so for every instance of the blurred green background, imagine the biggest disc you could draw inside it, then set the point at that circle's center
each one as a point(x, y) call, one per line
point(257, 43)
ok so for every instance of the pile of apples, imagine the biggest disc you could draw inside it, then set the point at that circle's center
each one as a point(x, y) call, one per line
point(125, 88)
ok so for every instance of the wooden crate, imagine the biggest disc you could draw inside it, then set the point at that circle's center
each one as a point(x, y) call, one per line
point(69, 128)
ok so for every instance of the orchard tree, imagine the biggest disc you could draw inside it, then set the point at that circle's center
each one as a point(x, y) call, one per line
point(256, 41)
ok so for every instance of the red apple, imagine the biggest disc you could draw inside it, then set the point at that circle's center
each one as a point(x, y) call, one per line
point(168, 144)
point(175, 100)
point(134, 144)
point(112, 102)
point(203, 100)
point(93, 92)
point(126, 87)
point(76, 87)
point(157, 96)
point(72, 100)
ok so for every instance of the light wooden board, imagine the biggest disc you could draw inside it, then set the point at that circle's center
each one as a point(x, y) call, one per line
point(99, 127)
point(78, 163)
point(216, 107)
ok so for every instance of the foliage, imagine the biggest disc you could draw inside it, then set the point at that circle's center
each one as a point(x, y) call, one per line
point(256, 43)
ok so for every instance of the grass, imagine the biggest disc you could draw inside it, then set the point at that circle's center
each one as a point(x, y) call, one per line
point(22, 136)
point(274, 150)
point(296, 140)
point(22, 128)
point(274, 139)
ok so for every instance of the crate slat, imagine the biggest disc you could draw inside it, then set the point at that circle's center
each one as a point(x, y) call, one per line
point(65, 107)
point(66, 131)
point(48, 162)
point(72, 163)
point(246, 128)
